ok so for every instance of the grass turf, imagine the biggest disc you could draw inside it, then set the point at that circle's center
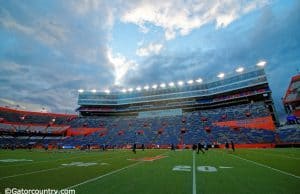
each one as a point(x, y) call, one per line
point(244, 171)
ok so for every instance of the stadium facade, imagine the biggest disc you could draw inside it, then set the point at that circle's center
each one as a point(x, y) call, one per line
point(291, 100)
point(174, 99)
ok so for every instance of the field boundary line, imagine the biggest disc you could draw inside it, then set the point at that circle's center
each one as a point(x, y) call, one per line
point(266, 166)
point(104, 175)
point(277, 155)
point(194, 174)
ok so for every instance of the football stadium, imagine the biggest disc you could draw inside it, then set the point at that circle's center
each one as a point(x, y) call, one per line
point(221, 136)
point(149, 97)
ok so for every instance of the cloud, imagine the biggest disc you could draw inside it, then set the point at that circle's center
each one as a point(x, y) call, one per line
point(149, 50)
point(121, 66)
point(181, 17)
point(45, 56)
point(45, 31)
point(272, 35)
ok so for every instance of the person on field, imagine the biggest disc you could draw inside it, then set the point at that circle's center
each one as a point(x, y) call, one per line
point(227, 145)
point(143, 147)
point(194, 147)
point(200, 146)
point(232, 146)
point(134, 148)
point(173, 147)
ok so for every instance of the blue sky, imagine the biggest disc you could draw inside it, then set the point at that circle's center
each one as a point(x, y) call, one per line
point(49, 49)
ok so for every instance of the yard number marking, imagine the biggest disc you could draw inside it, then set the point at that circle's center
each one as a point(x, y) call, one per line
point(207, 169)
point(182, 168)
point(80, 164)
point(199, 168)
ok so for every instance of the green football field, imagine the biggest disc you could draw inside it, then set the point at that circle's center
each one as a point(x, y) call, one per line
point(153, 171)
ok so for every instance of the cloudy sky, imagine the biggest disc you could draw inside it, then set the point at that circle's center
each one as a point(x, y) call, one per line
point(49, 49)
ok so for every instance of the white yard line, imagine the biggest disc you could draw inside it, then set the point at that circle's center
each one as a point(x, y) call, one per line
point(34, 172)
point(194, 174)
point(263, 165)
point(43, 161)
point(49, 169)
point(109, 173)
point(102, 176)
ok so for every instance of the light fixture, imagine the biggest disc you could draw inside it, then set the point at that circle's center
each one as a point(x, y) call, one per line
point(221, 75)
point(163, 85)
point(190, 81)
point(171, 84)
point(261, 63)
point(240, 70)
point(154, 86)
point(180, 83)
point(199, 80)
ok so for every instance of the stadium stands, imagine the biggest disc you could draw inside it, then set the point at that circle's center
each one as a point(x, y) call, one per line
point(189, 128)
point(238, 108)
point(288, 134)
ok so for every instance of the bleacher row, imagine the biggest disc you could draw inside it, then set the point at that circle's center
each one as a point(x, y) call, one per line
point(189, 128)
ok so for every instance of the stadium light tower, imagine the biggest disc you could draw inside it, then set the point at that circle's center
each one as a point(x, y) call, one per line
point(154, 86)
point(146, 87)
point(171, 84)
point(107, 91)
point(199, 80)
point(221, 75)
point(240, 69)
point(261, 63)
point(138, 88)
point(130, 89)
point(180, 83)
point(190, 81)
point(163, 85)
point(94, 90)
point(124, 90)
point(80, 90)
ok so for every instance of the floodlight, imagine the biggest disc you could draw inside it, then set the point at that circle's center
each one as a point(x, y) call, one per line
point(221, 75)
point(199, 80)
point(163, 85)
point(107, 91)
point(138, 88)
point(171, 84)
point(190, 81)
point(180, 83)
point(240, 70)
point(154, 86)
point(261, 63)
point(80, 90)
point(124, 90)
point(130, 89)
point(94, 90)
point(146, 87)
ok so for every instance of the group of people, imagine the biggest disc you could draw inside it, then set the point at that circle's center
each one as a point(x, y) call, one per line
point(199, 147)
point(134, 147)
